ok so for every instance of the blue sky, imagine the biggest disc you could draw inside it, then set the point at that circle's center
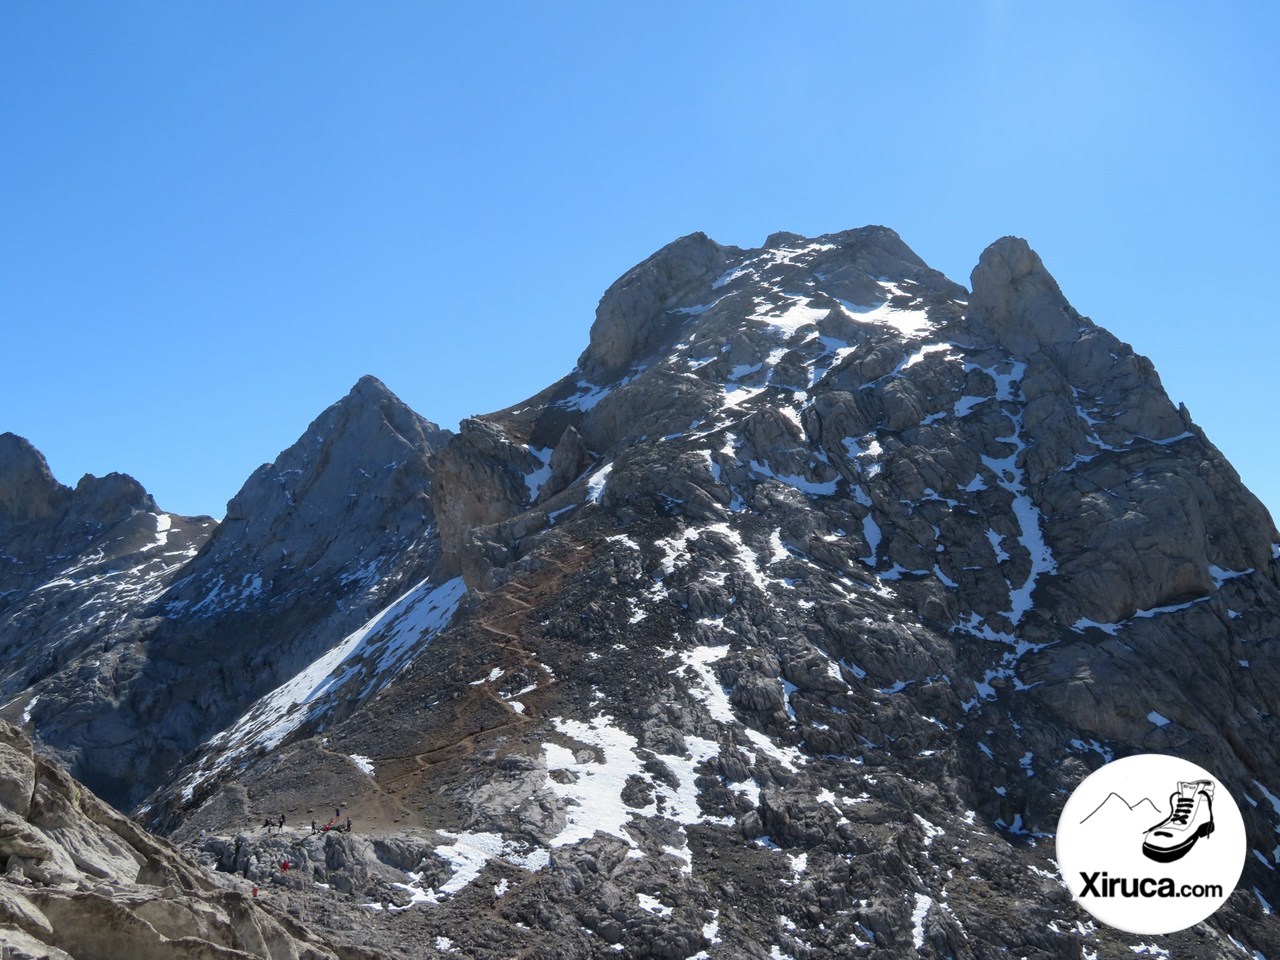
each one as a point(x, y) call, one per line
point(217, 217)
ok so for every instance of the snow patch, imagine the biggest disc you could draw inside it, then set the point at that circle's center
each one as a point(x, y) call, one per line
point(708, 690)
point(1084, 623)
point(596, 776)
point(596, 483)
point(467, 854)
point(534, 479)
point(164, 523)
point(923, 352)
point(923, 903)
point(871, 533)
point(375, 653)
point(931, 831)
point(800, 483)
point(654, 905)
point(799, 312)
point(910, 322)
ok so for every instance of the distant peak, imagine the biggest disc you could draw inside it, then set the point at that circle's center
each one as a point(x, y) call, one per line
point(369, 393)
point(358, 435)
point(366, 405)
point(113, 495)
point(783, 238)
point(14, 447)
point(28, 489)
point(1009, 259)
point(20, 458)
point(1018, 300)
point(370, 387)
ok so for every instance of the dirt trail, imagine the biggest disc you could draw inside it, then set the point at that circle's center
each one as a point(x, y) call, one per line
point(499, 620)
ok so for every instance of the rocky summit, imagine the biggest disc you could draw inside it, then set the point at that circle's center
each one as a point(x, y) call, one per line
point(782, 626)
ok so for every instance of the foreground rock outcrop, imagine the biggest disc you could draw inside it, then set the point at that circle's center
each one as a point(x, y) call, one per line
point(82, 881)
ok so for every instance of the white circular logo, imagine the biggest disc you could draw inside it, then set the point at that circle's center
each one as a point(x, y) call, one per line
point(1151, 844)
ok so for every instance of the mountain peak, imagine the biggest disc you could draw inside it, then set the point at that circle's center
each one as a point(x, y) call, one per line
point(633, 318)
point(1015, 253)
point(368, 408)
point(369, 433)
point(112, 498)
point(13, 445)
point(646, 308)
point(782, 238)
point(370, 387)
point(1018, 301)
point(28, 490)
point(367, 393)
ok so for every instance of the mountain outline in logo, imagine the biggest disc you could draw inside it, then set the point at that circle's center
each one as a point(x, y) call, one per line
point(1130, 808)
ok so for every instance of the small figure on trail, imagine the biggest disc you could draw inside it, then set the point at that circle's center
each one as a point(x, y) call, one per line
point(282, 821)
point(255, 891)
point(313, 826)
point(337, 812)
point(348, 824)
point(284, 865)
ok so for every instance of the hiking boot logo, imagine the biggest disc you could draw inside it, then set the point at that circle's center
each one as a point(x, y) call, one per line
point(1190, 818)
point(1126, 855)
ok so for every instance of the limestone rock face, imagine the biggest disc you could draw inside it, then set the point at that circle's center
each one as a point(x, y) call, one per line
point(781, 626)
point(27, 488)
point(483, 477)
point(1016, 298)
point(568, 460)
point(633, 318)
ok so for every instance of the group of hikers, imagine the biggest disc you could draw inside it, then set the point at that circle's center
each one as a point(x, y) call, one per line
point(334, 824)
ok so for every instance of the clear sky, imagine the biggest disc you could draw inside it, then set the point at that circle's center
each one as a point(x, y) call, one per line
point(215, 217)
